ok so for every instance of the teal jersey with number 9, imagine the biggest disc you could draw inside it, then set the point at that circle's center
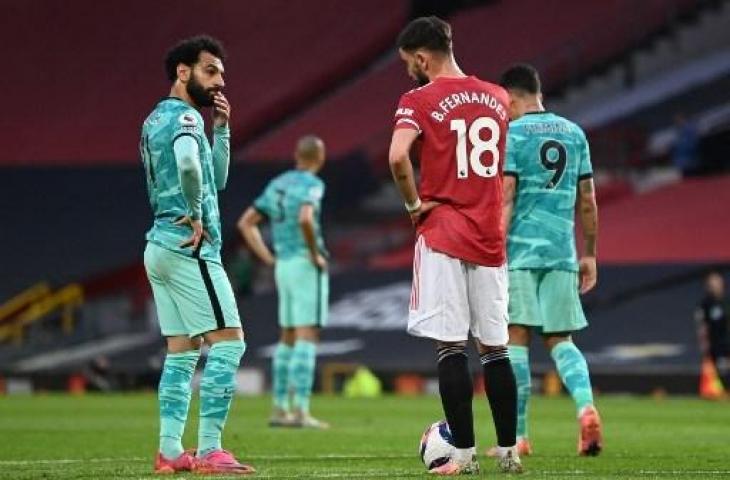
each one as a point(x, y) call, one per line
point(548, 155)
point(282, 201)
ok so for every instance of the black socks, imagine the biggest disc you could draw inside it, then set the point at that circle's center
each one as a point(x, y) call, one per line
point(456, 391)
point(499, 381)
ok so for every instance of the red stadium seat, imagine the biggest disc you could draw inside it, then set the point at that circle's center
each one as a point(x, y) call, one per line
point(83, 86)
point(562, 42)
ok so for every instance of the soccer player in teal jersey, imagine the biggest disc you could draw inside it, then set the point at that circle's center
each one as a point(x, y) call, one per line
point(193, 296)
point(547, 171)
point(292, 204)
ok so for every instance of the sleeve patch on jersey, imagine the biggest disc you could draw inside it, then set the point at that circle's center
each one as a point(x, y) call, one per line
point(189, 129)
point(315, 193)
point(408, 112)
point(187, 120)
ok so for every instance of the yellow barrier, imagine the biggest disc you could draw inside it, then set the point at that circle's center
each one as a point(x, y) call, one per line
point(23, 299)
point(68, 298)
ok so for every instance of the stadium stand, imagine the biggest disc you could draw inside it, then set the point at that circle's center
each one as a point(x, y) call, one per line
point(571, 41)
point(650, 301)
point(661, 226)
point(79, 237)
point(636, 101)
point(106, 79)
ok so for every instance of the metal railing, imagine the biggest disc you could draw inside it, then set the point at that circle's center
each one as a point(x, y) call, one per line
point(36, 304)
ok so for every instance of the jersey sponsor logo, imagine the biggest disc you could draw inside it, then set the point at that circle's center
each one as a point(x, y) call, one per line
point(187, 119)
point(408, 112)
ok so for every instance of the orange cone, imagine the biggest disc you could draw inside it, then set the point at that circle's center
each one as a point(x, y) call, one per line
point(711, 386)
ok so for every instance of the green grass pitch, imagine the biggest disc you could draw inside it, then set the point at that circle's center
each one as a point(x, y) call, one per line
point(114, 436)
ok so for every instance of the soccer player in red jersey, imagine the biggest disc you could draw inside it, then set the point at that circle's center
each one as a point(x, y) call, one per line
point(458, 126)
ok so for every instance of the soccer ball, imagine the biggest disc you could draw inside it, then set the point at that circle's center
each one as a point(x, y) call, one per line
point(437, 446)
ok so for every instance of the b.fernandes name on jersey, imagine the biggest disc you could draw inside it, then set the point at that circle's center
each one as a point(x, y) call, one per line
point(450, 102)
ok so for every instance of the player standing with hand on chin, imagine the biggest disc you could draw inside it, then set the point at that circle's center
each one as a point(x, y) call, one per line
point(193, 296)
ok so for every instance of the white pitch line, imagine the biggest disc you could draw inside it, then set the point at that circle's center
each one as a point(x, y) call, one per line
point(60, 461)
point(362, 474)
point(373, 474)
point(333, 456)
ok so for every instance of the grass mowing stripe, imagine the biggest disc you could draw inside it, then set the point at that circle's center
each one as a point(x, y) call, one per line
point(44, 437)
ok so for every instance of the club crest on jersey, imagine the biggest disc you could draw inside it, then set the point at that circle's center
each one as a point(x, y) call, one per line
point(187, 119)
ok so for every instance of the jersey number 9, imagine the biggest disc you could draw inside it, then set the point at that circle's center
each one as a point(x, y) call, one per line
point(556, 163)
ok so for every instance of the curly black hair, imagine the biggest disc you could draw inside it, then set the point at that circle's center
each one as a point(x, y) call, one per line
point(188, 51)
point(430, 33)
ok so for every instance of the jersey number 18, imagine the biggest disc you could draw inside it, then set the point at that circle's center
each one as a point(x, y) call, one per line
point(478, 146)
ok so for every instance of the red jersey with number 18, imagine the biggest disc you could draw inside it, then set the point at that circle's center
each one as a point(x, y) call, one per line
point(462, 124)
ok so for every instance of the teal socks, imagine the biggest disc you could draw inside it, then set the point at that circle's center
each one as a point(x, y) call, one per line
point(520, 360)
point(280, 375)
point(573, 371)
point(301, 373)
point(174, 397)
point(216, 391)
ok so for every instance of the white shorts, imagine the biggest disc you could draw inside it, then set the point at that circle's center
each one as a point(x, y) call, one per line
point(451, 297)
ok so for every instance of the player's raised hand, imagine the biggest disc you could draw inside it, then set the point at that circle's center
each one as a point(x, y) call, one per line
point(221, 110)
point(198, 232)
point(588, 274)
point(419, 214)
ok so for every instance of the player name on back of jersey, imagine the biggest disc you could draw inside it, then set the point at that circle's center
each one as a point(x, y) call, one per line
point(543, 128)
point(454, 100)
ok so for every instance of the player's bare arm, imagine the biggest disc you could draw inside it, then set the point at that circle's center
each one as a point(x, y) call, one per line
point(248, 225)
point(307, 226)
point(402, 170)
point(509, 188)
point(588, 211)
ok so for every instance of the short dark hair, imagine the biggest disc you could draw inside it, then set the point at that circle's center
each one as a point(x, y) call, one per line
point(521, 77)
point(430, 33)
point(188, 51)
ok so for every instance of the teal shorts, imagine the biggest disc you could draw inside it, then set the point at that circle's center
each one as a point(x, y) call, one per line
point(192, 296)
point(303, 293)
point(546, 299)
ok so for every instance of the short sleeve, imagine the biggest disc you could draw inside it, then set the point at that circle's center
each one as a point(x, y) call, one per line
point(585, 169)
point(187, 123)
point(409, 114)
point(510, 163)
point(314, 193)
point(262, 203)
